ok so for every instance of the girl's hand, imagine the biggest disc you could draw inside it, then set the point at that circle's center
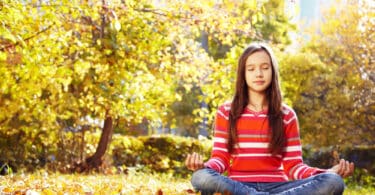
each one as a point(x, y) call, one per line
point(344, 168)
point(194, 161)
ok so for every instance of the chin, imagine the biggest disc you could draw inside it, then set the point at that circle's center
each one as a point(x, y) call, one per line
point(258, 90)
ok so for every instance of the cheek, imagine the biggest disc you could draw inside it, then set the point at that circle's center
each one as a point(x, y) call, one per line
point(247, 78)
point(269, 75)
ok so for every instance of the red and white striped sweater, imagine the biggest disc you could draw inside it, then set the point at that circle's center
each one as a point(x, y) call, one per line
point(250, 160)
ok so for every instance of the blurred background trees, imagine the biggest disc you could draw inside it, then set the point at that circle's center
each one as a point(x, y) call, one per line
point(72, 68)
point(334, 73)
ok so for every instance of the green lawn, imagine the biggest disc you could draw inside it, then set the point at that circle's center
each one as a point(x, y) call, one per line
point(135, 183)
point(358, 190)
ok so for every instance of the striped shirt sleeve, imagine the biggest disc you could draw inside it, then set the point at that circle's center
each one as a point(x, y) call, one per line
point(292, 153)
point(220, 157)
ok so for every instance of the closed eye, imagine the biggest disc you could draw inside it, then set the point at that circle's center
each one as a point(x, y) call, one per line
point(265, 67)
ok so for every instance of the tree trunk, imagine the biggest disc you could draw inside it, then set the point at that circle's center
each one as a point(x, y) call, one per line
point(96, 160)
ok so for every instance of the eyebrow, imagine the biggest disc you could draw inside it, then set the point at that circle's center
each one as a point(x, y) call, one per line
point(264, 63)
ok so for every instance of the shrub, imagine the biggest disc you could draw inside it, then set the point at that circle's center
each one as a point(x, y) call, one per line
point(164, 153)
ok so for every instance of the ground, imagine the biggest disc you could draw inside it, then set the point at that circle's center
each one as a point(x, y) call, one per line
point(43, 182)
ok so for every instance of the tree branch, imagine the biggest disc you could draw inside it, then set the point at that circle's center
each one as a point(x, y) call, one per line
point(154, 11)
point(26, 39)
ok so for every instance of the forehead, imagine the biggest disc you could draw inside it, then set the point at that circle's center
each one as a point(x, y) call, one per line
point(259, 57)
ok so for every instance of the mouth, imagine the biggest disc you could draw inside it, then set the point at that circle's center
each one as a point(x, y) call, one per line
point(259, 82)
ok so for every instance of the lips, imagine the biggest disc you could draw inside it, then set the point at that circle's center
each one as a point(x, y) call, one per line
point(259, 82)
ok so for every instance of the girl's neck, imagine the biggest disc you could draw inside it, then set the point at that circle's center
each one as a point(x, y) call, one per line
point(257, 102)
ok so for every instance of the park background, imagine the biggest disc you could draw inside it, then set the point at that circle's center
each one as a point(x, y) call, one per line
point(108, 96)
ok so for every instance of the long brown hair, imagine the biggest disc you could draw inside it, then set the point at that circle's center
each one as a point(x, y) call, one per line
point(273, 95)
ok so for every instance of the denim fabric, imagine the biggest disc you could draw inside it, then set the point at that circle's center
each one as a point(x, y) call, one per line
point(208, 181)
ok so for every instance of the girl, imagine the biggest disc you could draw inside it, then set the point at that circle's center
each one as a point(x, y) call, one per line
point(257, 141)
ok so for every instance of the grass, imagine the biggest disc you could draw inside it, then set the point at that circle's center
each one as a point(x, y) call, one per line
point(133, 183)
point(358, 190)
point(54, 183)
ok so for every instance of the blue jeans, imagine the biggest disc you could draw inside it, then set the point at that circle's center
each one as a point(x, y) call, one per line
point(208, 181)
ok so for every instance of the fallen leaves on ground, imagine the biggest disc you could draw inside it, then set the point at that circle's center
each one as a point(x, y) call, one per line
point(43, 183)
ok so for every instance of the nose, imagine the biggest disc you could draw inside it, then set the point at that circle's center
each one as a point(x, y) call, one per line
point(259, 72)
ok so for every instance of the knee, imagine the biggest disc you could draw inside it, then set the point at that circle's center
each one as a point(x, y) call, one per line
point(196, 178)
point(200, 177)
point(334, 181)
point(204, 179)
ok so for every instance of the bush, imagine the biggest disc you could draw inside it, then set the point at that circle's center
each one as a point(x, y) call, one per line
point(362, 156)
point(164, 153)
point(159, 154)
point(326, 157)
point(361, 177)
point(23, 150)
point(126, 150)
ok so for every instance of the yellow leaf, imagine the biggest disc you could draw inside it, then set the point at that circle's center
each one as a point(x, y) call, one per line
point(9, 36)
point(48, 192)
point(7, 190)
point(3, 56)
point(117, 25)
point(254, 18)
point(253, 4)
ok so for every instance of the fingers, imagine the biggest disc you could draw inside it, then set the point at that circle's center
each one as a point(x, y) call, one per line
point(200, 161)
point(347, 169)
point(197, 161)
point(187, 160)
point(341, 169)
point(350, 169)
point(194, 161)
point(344, 168)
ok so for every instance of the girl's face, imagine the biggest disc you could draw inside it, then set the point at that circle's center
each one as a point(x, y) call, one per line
point(258, 72)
